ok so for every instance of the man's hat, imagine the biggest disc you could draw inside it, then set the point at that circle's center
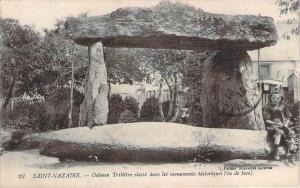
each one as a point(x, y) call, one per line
point(276, 90)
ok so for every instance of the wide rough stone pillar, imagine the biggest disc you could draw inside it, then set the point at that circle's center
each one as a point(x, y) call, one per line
point(231, 96)
point(94, 109)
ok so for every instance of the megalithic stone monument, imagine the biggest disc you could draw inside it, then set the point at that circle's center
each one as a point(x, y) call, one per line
point(94, 108)
point(152, 142)
point(231, 96)
point(173, 26)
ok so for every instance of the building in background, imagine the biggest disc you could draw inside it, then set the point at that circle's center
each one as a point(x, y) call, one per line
point(140, 91)
point(279, 65)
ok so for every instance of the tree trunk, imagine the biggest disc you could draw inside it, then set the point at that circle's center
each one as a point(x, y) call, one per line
point(160, 109)
point(177, 101)
point(94, 109)
point(108, 77)
point(175, 94)
point(71, 98)
point(9, 94)
point(231, 96)
point(109, 88)
point(170, 109)
point(178, 107)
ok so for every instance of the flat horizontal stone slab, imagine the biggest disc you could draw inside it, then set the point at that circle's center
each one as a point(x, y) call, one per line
point(155, 142)
point(174, 26)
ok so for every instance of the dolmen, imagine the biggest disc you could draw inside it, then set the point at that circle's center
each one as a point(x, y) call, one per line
point(230, 98)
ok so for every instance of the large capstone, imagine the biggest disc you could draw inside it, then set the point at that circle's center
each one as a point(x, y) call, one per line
point(174, 26)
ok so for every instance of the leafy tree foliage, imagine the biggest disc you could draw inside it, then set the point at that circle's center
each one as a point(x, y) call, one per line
point(180, 70)
point(290, 8)
point(122, 67)
point(22, 65)
point(65, 52)
point(40, 65)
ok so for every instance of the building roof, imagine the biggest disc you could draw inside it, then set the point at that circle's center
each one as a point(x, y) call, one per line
point(272, 82)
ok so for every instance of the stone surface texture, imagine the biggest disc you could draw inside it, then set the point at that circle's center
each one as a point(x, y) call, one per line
point(175, 26)
point(231, 97)
point(155, 142)
point(94, 108)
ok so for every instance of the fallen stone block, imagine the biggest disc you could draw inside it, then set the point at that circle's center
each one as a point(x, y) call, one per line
point(155, 142)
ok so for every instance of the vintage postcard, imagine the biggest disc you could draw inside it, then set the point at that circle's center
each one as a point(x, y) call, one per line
point(137, 93)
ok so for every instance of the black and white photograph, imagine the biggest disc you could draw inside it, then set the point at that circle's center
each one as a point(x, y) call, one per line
point(137, 93)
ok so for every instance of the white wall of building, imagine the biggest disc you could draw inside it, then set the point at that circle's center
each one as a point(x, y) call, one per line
point(140, 91)
point(280, 70)
point(283, 58)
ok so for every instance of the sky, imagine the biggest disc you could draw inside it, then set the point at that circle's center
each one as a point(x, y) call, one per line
point(44, 13)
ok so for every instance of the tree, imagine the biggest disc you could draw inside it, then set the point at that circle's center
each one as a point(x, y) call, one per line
point(69, 60)
point(128, 65)
point(180, 70)
point(290, 7)
point(193, 70)
point(122, 67)
point(45, 66)
point(22, 65)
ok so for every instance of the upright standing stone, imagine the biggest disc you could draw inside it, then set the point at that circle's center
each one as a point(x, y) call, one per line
point(94, 109)
point(231, 97)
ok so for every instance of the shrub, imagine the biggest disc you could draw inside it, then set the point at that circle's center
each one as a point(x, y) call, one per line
point(60, 114)
point(48, 115)
point(131, 104)
point(38, 117)
point(193, 103)
point(131, 110)
point(60, 99)
point(41, 116)
point(116, 107)
point(128, 117)
point(149, 110)
point(165, 107)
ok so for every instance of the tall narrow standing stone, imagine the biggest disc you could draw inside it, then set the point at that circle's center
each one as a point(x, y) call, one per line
point(94, 109)
point(231, 96)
